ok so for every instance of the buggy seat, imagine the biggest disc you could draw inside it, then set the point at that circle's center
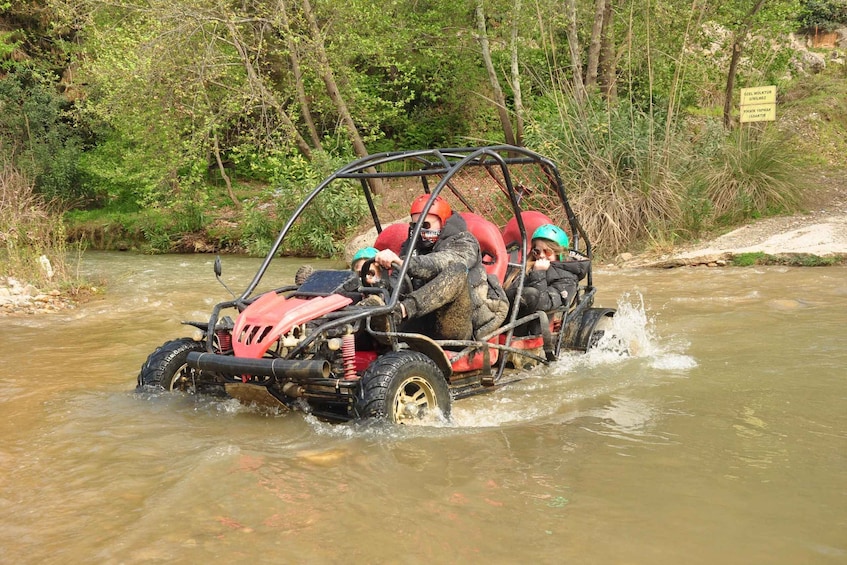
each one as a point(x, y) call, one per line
point(512, 233)
point(491, 245)
point(392, 237)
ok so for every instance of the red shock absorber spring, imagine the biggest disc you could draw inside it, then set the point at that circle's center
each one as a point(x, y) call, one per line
point(348, 353)
point(224, 340)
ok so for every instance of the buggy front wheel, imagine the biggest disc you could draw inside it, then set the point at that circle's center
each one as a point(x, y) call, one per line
point(404, 387)
point(166, 367)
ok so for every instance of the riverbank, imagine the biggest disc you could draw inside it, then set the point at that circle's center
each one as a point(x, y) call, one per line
point(17, 298)
point(815, 237)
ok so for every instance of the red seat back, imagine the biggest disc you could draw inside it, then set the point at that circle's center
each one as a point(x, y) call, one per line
point(392, 237)
point(531, 221)
point(494, 256)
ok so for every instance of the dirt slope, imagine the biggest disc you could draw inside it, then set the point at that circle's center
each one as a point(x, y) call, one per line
point(820, 231)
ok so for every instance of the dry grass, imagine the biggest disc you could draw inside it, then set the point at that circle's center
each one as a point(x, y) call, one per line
point(33, 246)
point(753, 176)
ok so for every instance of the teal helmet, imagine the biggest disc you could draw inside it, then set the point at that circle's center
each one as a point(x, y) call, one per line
point(364, 253)
point(552, 233)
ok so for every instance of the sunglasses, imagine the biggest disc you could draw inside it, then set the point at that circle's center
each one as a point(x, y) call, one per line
point(538, 252)
point(424, 226)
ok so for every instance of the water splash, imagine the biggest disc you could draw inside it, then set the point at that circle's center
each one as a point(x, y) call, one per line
point(629, 354)
point(632, 334)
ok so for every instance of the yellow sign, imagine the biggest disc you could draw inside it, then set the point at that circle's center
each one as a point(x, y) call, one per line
point(758, 113)
point(758, 95)
point(758, 104)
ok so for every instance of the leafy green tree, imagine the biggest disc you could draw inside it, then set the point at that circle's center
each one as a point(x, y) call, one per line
point(822, 15)
point(39, 135)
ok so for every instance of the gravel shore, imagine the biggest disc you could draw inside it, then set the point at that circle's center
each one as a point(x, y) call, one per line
point(17, 298)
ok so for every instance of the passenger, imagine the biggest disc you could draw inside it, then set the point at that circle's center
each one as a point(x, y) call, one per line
point(551, 280)
point(360, 257)
point(452, 295)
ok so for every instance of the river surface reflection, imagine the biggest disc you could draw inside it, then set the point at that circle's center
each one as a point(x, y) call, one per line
point(723, 439)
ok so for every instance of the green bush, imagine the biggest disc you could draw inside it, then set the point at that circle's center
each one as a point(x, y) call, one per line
point(44, 144)
point(822, 15)
point(325, 224)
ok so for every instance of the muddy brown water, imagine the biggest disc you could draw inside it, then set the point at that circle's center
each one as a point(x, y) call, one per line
point(722, 439)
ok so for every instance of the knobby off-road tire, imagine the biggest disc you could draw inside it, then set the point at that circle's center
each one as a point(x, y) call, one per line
point(404, 387)
point(166, 366)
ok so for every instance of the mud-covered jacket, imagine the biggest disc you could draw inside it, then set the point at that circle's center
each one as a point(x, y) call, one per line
point(455, 252)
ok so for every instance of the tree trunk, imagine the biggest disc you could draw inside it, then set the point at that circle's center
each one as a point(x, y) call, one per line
point(608, 58)
point(516, 77)
point(737, 48)
point(730, 83)
point(265, 94)
point(573, 47)
point(594, 44)
point(294, 58)
point(499, 98)
point(334, 93)
point(217, 150)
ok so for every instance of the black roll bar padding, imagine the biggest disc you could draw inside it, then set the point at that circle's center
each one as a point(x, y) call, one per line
point(264, 367)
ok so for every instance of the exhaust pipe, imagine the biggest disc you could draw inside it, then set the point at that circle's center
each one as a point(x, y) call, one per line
point(260, 367)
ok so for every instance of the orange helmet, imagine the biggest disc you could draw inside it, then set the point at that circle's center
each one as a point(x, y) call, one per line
point(440, 207)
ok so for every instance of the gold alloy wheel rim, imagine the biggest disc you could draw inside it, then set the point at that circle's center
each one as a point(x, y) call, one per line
point(182, 379)
point(414, 399)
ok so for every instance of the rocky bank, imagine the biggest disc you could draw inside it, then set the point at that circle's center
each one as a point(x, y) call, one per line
point(17, 298)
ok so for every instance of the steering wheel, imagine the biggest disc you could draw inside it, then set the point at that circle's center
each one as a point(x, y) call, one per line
point(370, 269)
point(383, 280)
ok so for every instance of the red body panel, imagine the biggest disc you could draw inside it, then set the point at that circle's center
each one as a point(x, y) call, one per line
point(472, 362)
point(273, 315)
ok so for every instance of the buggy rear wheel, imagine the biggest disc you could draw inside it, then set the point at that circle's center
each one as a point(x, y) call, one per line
point(166, 367)
point(606, 337)
point(586, 332)
point(404, 387)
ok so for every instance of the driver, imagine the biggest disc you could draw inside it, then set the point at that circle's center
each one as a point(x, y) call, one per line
point(452, 295)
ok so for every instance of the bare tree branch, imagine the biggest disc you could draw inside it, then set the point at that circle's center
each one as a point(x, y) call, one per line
point(500, 99)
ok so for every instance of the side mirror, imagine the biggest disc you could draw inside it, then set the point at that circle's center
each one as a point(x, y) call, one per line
point(218, 271)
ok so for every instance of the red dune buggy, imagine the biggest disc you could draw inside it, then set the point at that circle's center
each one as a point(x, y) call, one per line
point(316, 347)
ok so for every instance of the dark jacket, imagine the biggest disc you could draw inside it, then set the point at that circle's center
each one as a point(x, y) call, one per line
point(550, 289)
point(557, 285)
point(451, 284)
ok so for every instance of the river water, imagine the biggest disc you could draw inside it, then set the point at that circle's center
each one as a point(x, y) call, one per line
point(721, 439)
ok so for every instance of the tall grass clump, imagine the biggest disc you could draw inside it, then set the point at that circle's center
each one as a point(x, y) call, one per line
point(620, 168)
point(33, 247)
point(752, 174)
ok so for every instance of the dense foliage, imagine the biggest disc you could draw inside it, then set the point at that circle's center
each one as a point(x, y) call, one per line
point(170, 111)
point(822, 15)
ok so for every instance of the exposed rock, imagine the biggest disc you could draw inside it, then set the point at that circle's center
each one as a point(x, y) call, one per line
point(808, 62)
point(19, 299)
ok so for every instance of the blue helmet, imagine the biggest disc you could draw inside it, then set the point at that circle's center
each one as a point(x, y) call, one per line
point(364, 253)
point(552, 233)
